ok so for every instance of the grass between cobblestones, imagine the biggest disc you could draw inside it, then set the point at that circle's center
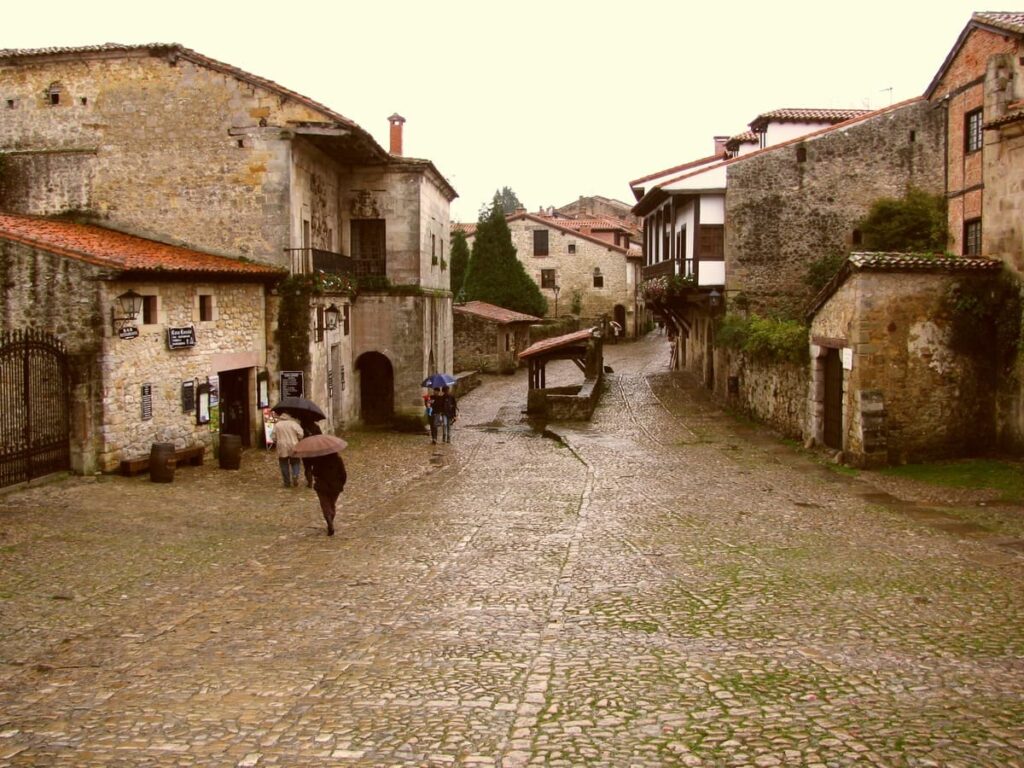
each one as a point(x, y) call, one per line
point(983, 474)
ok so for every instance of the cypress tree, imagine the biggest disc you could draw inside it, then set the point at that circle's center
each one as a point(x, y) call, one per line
point(495, 275)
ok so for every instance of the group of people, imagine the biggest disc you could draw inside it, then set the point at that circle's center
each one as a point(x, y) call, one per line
point(442, 410)
point(324, 474)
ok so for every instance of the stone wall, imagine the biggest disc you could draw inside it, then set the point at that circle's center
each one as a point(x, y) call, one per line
point(783, 213)
point(487, 346)
point(130, 131)
point(897, 326)
point(575, 271)
point(72, 300)
point(774, 393)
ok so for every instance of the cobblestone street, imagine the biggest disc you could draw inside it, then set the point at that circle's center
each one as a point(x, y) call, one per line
point(665, 585)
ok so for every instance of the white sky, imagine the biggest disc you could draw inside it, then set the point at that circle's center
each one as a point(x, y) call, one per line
point(554, 99)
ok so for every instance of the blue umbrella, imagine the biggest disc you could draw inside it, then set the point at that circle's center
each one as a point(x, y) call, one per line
point(438, 380)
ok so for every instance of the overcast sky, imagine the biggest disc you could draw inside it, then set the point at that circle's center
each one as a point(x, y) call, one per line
point(555, 99)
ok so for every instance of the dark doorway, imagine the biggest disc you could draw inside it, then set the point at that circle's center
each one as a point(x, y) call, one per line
point(376, 388)
point(619, 313)
point(833, 430)
point(234, 404)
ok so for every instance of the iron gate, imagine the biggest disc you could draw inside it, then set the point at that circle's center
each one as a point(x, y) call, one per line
point(34, 403)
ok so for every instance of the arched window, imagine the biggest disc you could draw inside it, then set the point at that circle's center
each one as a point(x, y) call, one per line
point(54, 93)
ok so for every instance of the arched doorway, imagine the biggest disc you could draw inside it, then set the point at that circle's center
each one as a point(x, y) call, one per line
point(376, 388)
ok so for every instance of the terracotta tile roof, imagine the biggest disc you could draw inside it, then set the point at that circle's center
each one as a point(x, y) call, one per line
point(494, 312)
point(1012, 21)
point(1010, 117)
point(123, 252)
point(921, 261)
point(790, 115)
point(556, 342)
point(593, 224)
point(676, 169)
point(467, 229)
point(882, 261)
point(747, 137)
point(563, 224)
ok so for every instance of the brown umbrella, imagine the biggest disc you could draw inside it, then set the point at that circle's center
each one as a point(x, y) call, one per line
point(318, 445)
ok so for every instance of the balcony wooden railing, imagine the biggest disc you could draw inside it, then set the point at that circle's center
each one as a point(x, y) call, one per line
point(668, 268)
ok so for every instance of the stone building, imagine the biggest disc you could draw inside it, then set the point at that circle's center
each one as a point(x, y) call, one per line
point(979, 89)
point(163, 142)
point(489, 338)
point(134, 381)
point(578, 273)
point(885, 385)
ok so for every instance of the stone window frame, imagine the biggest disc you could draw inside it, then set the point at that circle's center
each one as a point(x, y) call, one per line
point(210, 313)
point(150, 309)
point(53, 93)
point(548, 278)
point(541, 244)
point(598, 278)
point(571, 247)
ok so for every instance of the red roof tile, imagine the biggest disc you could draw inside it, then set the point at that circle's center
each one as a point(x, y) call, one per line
point(494, 312)
point(789, 115)
point(1012, 21)
point(123, 252)
point(556, 342)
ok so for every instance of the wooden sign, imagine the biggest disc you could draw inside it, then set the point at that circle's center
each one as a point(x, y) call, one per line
point(181, 338)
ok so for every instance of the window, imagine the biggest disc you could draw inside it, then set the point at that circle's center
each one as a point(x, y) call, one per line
point(205, 308)
point(508, 342)
point(540, 242)
point(368, 251)
point(572, 247)
point(711, 245)
point(433, 249)
point(547, 278)
point(346, 315)
point(149, 310)
point(801, 154)
point(598, 278)
point(972, 131)
point(10, 103)
point(972, 237)
point(53, 93)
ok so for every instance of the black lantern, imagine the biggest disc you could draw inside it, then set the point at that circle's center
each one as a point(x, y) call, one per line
point(331, 316)
point(714, 299)
point(129, 305)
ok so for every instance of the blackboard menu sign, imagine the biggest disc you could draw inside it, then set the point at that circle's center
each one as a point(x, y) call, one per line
point(291, 384)
point(147, 402)
point(181, 338)
point(188, 396)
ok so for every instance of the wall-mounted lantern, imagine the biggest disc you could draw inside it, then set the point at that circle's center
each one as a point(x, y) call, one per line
point(714, 299)
point(129, 304)
point(326, 320)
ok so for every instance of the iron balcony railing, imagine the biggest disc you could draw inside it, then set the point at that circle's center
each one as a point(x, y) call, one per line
point(310, 260)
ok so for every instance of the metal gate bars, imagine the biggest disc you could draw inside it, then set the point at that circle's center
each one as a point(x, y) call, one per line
point(34, 405)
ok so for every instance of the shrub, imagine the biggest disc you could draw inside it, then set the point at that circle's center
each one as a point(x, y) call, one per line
point(764, 338)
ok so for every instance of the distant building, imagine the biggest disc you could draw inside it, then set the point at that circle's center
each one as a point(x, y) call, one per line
point(489, 338)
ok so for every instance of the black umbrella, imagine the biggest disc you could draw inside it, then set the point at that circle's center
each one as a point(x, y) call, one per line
point(300, 408)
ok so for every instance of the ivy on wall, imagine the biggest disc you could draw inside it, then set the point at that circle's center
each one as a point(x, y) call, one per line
point(986, 320)
point(293, 314)
point(764, 338)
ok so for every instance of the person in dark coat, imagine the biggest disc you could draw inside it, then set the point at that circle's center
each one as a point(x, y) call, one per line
point(329, 478)
point(309, 427)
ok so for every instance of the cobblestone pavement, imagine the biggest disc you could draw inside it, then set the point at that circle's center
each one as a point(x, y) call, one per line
point(662, 586)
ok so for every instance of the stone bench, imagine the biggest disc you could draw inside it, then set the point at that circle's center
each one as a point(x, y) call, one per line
point(192, 455)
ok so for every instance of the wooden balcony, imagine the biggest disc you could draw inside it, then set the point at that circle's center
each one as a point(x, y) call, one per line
point(665, 268)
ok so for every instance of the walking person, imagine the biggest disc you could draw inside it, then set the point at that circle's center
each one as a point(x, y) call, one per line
point(450, 411)
point(436, 414)
point(287, 432)
point(329, 478)
point(309, 427)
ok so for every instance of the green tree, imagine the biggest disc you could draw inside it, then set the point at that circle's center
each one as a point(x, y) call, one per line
point(460, 260)
point(494, 274)
point(915, 223)
point(509, 200)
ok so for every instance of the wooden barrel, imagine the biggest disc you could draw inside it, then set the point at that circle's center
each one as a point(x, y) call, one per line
point(230, 453)
point(162, 462)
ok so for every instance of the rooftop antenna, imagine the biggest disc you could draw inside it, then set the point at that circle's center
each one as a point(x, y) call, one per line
point(889, 90)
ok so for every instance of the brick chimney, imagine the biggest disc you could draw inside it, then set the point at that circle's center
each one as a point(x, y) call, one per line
point(720, 142)
point(396, 121)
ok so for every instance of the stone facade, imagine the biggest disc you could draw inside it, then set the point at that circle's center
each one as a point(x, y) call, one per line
point(482, 344)
point(774, 393)
point(166, 143)
point(576, 262)
point(72, 299)
point(906, 395)
point(792, 204)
